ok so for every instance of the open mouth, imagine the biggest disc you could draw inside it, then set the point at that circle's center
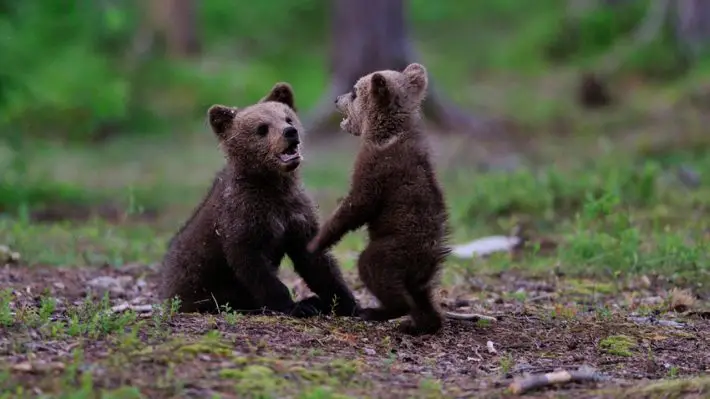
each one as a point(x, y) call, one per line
point(290, 154)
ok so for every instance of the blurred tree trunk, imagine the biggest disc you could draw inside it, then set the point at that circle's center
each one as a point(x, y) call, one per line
point(693, 25)
point(691, 21)
point(173, 23)
point(370, 35)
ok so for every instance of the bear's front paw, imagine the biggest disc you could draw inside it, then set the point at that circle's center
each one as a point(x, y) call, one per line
point(345, 308)
point(308, 307)
point(349, 311)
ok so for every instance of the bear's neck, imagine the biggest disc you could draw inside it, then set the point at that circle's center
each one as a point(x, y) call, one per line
point(384, 127)
point(262, 180)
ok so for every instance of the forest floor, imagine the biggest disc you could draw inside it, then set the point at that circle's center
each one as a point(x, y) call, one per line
point(55, 341)
point(618, 285)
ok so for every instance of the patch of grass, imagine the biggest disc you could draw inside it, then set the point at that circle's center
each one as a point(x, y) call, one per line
point(95, 242)
point(617, 345)
point(672, 388)
point(430, 388)
point(618, 216)
point(256, 380)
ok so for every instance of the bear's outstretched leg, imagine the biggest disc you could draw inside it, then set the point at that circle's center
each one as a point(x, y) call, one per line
point(425, 319)
point(383, 282)
point(320, 270)
point(263, 283)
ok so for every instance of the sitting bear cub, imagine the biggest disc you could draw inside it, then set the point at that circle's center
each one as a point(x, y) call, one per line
point(394, 190)
point(230, 249)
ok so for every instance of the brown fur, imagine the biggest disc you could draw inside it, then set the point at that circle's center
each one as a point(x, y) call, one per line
point(230, 249)
point(394, 191)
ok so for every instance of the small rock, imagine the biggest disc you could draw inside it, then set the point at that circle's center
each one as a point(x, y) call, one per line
point(652, 300)
point(116, 285)
point(24, 367)
point(490, 347)
point(369, 351)
point(7, 255)
point(689, 176)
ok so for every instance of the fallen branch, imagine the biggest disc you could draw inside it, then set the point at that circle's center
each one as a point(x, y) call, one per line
point(469, 316)
point(538, 381)
point(485, 246)
point(136, 308)
point(656, 321)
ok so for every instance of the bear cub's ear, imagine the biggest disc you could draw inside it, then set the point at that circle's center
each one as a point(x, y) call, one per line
point(378, 87)
point(417, 76)
point(221, 118)
point(282, 93)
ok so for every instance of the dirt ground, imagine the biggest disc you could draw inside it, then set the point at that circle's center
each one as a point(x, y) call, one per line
point(623, 331)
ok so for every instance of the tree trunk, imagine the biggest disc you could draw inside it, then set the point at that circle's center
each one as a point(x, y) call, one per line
point(174, 23)
point(693, 25)
point(370, 35)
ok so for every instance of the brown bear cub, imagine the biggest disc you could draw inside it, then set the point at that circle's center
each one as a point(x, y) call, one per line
point(230, 249)
point(394, 190)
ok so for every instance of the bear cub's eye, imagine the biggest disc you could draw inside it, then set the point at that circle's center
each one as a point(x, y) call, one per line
point(353, 93)
point(262, 129)
point(289, 120)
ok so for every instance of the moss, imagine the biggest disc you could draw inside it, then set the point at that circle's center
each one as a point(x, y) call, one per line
point(315, 376)
point(617, 345)
point(667, 389)
point(587, 287)
point(198, 348)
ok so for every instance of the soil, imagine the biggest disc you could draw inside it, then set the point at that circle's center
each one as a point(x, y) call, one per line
point(543, 325)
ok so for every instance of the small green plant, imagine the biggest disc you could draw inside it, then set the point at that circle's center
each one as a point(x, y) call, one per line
point(431, 388)
point(46, 308)
point(603, 312)
point(6, 317)
point(481, 323)
point(230, 316)
point(506, 363)
point(163, 313)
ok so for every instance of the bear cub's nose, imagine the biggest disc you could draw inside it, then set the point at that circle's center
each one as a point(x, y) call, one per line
point(291, 133)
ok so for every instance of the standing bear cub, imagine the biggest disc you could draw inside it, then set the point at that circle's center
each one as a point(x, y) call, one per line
point(230, 249)
point(395, 192)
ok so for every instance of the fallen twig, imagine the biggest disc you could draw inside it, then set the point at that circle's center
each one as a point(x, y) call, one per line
point(543, 297)
point(485, 246)
point(537, 381)
point(655, 321)
point(136, 308)
point(469, 316)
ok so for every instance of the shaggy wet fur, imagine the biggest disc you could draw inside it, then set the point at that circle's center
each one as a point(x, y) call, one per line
point(229, 251)
point(394, 191)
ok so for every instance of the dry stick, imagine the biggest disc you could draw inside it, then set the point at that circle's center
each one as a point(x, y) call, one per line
point(469, 316)
point(558, 377)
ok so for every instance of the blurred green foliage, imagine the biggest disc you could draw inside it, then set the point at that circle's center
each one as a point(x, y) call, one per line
point(69, 70)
